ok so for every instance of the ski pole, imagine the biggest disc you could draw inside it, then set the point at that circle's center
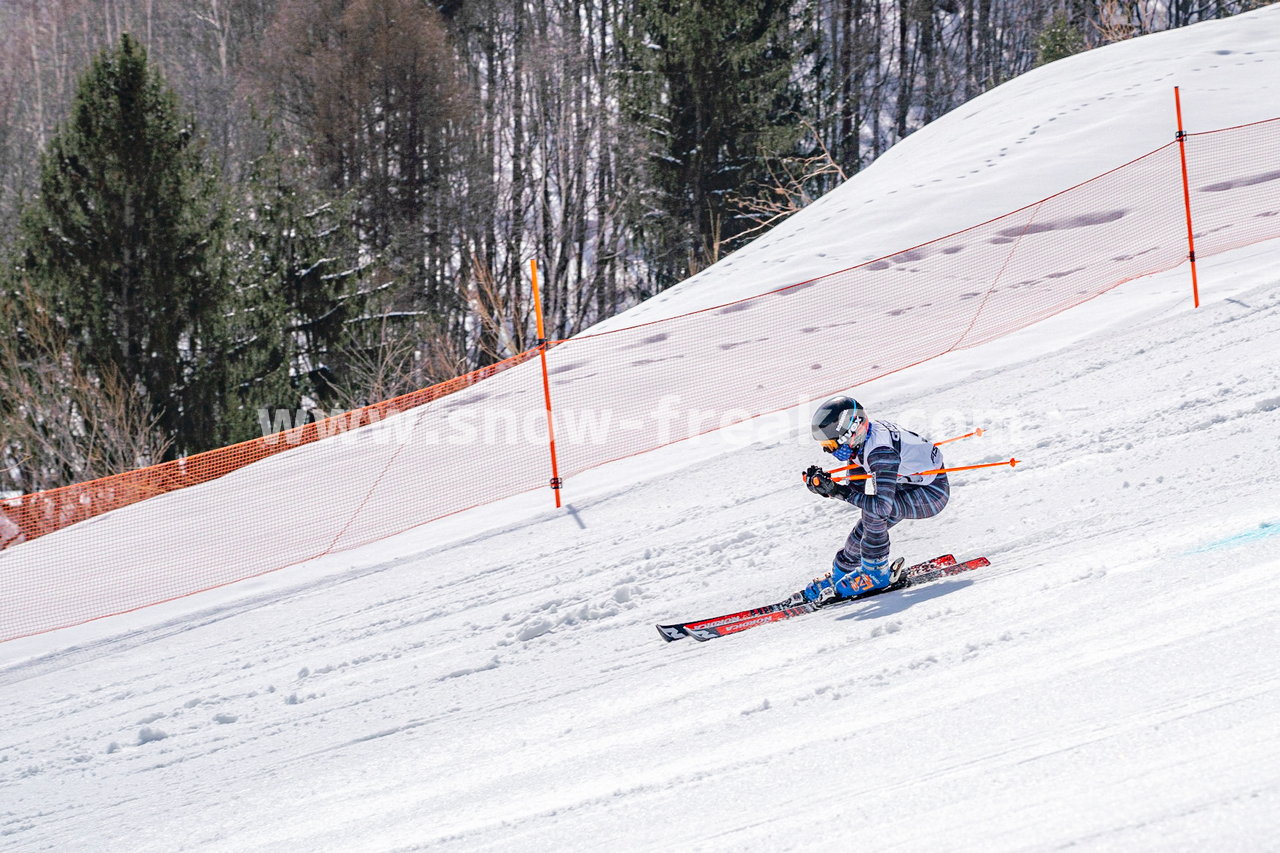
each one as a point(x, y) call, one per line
point(978, 432)
point(1010, 463)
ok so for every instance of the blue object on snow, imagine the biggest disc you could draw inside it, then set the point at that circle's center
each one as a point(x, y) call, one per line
point(813, 591)
point(1264, 530)
point(870, 576)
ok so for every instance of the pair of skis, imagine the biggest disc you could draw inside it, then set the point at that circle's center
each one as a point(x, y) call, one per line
point(795, 605)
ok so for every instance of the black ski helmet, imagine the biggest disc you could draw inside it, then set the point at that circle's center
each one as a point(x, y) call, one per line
point(841, 420)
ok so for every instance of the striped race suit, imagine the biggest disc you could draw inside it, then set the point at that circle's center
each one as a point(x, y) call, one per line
point(893, 456)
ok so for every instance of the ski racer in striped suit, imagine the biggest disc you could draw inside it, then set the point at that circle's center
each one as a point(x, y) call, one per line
point(896, 490)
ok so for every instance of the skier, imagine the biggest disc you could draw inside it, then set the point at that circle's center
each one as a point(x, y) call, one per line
point(896, 489)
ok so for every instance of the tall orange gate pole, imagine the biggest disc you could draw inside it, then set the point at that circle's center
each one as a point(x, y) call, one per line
point(556, 482)
point(1186, 196)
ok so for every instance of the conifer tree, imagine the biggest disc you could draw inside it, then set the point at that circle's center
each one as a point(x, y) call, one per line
point(1059, 39)
point(125, 237)
point(710, 81)
point(297, 286)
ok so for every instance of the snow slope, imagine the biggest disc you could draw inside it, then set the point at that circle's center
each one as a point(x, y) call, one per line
point(494, 681)
point(1033, 136)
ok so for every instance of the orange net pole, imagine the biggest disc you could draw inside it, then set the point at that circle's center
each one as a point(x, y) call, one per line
point(1186, 196)
point(556, 482)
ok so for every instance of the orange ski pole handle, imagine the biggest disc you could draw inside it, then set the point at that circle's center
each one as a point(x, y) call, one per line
point(978, 432)
point(1011, 463)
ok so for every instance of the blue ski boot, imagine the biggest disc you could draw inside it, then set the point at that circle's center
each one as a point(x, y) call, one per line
point(872, 576)
point(822, 589)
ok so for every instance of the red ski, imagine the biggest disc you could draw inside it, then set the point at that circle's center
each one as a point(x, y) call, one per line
point(917, 577)
point(918, 573)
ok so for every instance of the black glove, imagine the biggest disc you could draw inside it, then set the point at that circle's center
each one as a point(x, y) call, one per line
point(819, 482)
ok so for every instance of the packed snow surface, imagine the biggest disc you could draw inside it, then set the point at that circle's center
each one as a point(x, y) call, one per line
point(494, 680)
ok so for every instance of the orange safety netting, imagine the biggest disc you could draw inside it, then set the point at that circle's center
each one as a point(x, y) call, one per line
point(345, 482)
point(818, 337)
point(46, 512)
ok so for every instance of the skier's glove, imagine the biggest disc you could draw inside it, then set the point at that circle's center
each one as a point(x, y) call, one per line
point(819, 482)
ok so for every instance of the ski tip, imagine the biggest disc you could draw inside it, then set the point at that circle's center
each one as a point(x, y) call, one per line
point(670, 633)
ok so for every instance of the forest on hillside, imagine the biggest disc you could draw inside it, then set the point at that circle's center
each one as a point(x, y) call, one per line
point(210, 209)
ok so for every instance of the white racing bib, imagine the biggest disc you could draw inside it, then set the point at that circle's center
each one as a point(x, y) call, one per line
point(917, 453)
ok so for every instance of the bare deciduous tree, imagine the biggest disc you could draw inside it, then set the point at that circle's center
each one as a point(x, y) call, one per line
point(63, 423)
point(790, 187)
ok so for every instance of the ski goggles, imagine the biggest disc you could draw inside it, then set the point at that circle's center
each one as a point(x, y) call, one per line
point(844, 446)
